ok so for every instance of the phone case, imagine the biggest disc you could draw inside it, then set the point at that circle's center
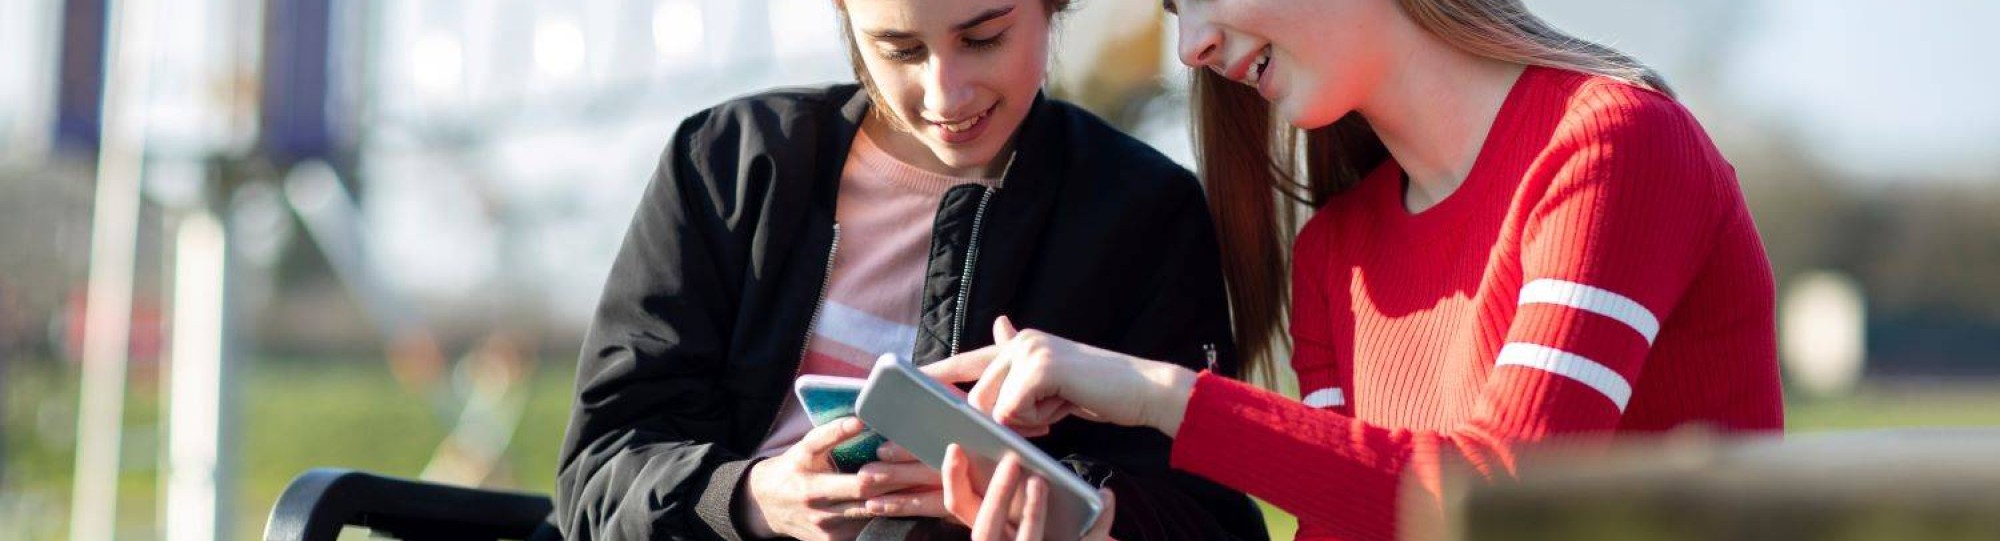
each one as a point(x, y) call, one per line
point(826, 399)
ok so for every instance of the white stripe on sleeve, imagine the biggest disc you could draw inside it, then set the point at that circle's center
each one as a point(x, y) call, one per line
point(1594, 300)
point(1330, 397)
point(1577, 367)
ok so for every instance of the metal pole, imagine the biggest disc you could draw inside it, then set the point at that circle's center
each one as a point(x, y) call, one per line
point(196, 491)
point(114, 238)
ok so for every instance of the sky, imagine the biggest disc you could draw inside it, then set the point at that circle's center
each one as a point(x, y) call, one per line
point(1884, 91)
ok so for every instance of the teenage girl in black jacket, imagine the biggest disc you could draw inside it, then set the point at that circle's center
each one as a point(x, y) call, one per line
point(706, 316)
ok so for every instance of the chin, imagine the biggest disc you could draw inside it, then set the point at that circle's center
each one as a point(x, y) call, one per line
point(1309, 117)
point(961, 158)
point(1308, 122)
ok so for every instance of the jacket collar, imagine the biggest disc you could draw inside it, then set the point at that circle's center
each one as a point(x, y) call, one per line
point(1040, 145)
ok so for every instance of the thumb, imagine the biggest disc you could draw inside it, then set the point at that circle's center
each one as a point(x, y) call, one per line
point(1101, 530)
point(1003, 329)
point(822, 439)
point(960, 500)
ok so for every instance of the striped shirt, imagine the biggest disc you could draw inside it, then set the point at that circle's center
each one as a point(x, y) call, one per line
point(885, 210)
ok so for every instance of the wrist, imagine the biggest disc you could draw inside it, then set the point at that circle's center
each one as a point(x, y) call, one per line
point(1172, 385)
point(749, 508)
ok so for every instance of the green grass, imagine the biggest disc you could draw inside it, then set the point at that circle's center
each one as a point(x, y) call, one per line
point(297, 415)
point(1904, 405)
point(350, 413)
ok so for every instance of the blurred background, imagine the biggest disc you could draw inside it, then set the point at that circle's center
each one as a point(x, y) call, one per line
point(242, 238)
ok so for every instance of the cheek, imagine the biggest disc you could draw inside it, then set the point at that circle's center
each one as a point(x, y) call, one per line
point(1320, 95)
point(900, 86)
point(1019, 65)
point(1026, 65)
point(1017, 82)
point(1333, 64)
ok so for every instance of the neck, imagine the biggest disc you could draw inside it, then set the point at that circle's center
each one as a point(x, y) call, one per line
point(904, 146)
point(1433, 110)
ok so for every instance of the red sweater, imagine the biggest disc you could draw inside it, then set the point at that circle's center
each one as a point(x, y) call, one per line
point(1597, 272)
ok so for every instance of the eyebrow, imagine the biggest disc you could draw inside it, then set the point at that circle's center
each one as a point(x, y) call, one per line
point(989, 15)
point(976, 20)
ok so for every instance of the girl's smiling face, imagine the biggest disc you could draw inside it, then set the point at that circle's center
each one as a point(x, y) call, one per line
point(1313, 60)
point(957, 76)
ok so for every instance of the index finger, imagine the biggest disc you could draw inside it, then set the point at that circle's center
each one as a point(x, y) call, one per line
point(962, 367)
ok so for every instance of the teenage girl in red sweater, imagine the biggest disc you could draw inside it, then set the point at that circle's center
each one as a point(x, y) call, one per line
point(1519, 235)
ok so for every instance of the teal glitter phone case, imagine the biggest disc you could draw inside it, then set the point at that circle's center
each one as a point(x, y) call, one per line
point(824, 405)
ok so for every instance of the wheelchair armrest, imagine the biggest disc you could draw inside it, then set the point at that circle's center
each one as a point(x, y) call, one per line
point(322, 500)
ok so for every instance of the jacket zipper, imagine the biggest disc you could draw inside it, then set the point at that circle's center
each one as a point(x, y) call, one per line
point(819, 301)
point(971, 258)
point(805, 343)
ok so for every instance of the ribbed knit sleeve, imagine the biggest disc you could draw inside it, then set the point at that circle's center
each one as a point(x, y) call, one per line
point(1628, 218)
point(1618, 216)
point(1322, 380)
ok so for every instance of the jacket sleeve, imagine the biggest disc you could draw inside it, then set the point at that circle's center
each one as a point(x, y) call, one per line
point(1182, 317)
point(643, 457)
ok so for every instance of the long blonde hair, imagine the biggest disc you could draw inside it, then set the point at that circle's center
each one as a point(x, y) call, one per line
point(1259, 171)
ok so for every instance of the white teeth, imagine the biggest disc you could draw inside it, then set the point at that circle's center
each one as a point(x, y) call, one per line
point(1257, 71)
point(962, 125)
point(1257, 68)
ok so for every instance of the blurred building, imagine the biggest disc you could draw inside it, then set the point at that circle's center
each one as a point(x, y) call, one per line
point(493, 148)
point(469, 166)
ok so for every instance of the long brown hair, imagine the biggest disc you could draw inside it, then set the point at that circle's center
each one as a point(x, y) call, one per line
point(1263, 175)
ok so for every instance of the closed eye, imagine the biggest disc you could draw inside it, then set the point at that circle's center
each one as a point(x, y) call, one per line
point(904, 54)
point(985, 43)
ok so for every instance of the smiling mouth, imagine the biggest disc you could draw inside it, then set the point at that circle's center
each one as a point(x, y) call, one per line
point(1255, 74)
point(967, 124)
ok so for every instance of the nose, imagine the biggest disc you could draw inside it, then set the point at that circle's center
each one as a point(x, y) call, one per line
point(948, 89)
point(1200, 43)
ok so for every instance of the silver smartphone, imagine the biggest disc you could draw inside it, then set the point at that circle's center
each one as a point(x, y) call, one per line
point(924, 415)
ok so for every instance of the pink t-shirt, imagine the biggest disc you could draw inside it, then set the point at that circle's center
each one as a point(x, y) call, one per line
point(885, 212)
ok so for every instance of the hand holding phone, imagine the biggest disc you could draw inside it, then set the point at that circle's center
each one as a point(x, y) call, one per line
point(927, 418)
point(830, 398)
